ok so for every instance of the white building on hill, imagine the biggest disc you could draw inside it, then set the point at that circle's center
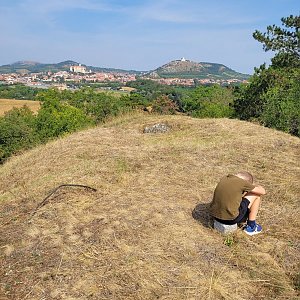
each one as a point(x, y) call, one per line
point(78, 69)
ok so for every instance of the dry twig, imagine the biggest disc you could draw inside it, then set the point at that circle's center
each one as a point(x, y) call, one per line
point(45, 200)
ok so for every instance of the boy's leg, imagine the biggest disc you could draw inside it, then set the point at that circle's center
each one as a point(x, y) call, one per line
point(253, 205)
point(252, 227)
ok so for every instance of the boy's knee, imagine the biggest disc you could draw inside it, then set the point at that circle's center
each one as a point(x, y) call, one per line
point(252, 197)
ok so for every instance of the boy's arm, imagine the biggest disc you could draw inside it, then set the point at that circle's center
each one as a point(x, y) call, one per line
point(259, 190)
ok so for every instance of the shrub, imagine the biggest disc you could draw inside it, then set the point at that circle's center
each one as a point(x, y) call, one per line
point(17, 132)
point(56, 118)
point(214, 110)
point(281, 108)
point(209, 101)
point(18, 91)
point(164, 105)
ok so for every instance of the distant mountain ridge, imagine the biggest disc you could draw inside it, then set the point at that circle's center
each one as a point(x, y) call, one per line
point(36, 67)
point(189, 69)
point(183, 69)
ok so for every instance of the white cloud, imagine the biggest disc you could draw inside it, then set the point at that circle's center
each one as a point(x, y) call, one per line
point(166, 11)
point(46, 7)
point(193, 12)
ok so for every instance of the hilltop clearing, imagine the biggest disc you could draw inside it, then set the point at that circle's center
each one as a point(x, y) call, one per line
point(145, 234)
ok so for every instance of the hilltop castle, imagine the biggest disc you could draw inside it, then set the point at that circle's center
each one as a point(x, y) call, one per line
point(78, 69)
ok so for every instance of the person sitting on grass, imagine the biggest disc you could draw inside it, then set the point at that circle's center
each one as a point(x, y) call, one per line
point(236, 200)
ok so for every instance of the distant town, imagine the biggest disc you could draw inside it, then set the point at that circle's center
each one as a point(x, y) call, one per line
point(80, 74)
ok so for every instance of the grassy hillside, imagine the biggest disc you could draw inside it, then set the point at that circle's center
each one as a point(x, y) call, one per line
point(145, 234)
point(8, 104)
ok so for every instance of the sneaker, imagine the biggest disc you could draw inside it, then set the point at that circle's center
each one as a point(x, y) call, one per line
point(251, 231)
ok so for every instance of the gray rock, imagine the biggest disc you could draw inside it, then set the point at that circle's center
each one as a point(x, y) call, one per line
point(224, 229)
point(157, 128)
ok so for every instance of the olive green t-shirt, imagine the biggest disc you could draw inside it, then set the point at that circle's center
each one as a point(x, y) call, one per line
point(228, 196)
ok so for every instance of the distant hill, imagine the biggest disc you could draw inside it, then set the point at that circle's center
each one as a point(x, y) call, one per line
point(36, 67)
point(177, 68)
point(190, 69)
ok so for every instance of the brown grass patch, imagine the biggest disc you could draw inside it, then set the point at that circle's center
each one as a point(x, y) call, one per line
point(8, 104)
point(135, 238)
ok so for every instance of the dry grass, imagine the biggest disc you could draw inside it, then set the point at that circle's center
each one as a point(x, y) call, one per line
point(8, 104)
point(135, 238)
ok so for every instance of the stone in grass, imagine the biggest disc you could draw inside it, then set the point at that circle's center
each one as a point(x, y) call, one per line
point(223, 228)
point(157, 128)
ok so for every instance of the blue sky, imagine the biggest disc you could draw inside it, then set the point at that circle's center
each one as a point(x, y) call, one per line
point(139, 35)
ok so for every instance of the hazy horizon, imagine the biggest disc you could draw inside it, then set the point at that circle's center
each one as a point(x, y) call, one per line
point(130, 69)
point(139, 35)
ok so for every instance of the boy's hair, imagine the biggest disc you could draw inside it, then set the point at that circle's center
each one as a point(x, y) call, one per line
point(245, 175)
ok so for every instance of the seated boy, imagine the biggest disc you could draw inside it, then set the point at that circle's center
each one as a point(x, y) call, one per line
point(236, 199)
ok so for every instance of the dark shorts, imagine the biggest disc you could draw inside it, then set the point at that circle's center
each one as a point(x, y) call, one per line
point(243, 213)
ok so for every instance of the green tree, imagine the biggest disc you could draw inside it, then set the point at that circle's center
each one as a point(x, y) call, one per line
point(281, 108)
point(56, 118)
point(285, 41)
point(272, 95)
point(18, 91)
point(133, 101)
point(152, 90)
point(164, 105)
point(102, 106)
point(208, 101)
point(250, 100)
point(17, 132)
